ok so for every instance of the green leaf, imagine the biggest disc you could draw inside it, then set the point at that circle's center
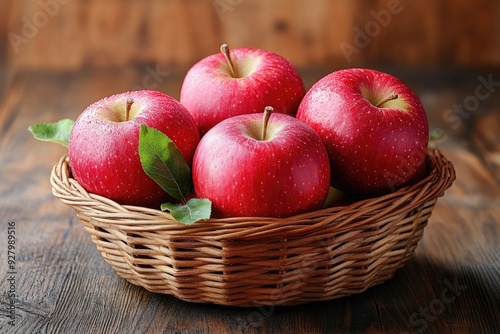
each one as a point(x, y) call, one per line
point(435, 137)
point(164, 163)
point(57, 132)
point(194, 210)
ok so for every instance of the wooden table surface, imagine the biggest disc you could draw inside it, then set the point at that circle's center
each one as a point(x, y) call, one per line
point(59, 283)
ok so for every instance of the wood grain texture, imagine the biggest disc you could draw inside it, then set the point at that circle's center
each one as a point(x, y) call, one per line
point(450, 285)
point(75, 34)
point(434, 33)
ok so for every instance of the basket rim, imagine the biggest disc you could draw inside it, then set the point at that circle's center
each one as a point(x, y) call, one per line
point(440, 177)
point(250, 261)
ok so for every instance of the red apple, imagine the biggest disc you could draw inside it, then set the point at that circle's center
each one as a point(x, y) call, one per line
point(242, 81)
point(374, 128)
point(103, 146)
point(250, 165)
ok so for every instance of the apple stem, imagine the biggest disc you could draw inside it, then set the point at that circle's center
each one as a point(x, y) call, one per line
point(130, 101)
point(225, 51)
point(267, 114)
point(388, 98)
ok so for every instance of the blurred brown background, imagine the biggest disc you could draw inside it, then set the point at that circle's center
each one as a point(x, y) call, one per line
point(78, 34)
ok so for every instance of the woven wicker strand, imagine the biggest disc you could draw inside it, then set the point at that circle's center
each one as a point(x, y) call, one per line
point(251, 261)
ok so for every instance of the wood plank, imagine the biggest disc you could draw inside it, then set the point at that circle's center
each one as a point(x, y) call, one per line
point(315, 33)
point(306, 33)
point(487, 140)
point(41, 226)
point(469, 260)
point(430, 33)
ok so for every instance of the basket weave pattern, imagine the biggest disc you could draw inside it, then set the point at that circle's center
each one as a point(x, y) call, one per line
point(319, 255)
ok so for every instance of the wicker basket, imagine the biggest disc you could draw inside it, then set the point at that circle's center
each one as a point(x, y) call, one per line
point(315, 256)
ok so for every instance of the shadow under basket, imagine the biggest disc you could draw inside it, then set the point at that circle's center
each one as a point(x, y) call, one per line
point(315, 256)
